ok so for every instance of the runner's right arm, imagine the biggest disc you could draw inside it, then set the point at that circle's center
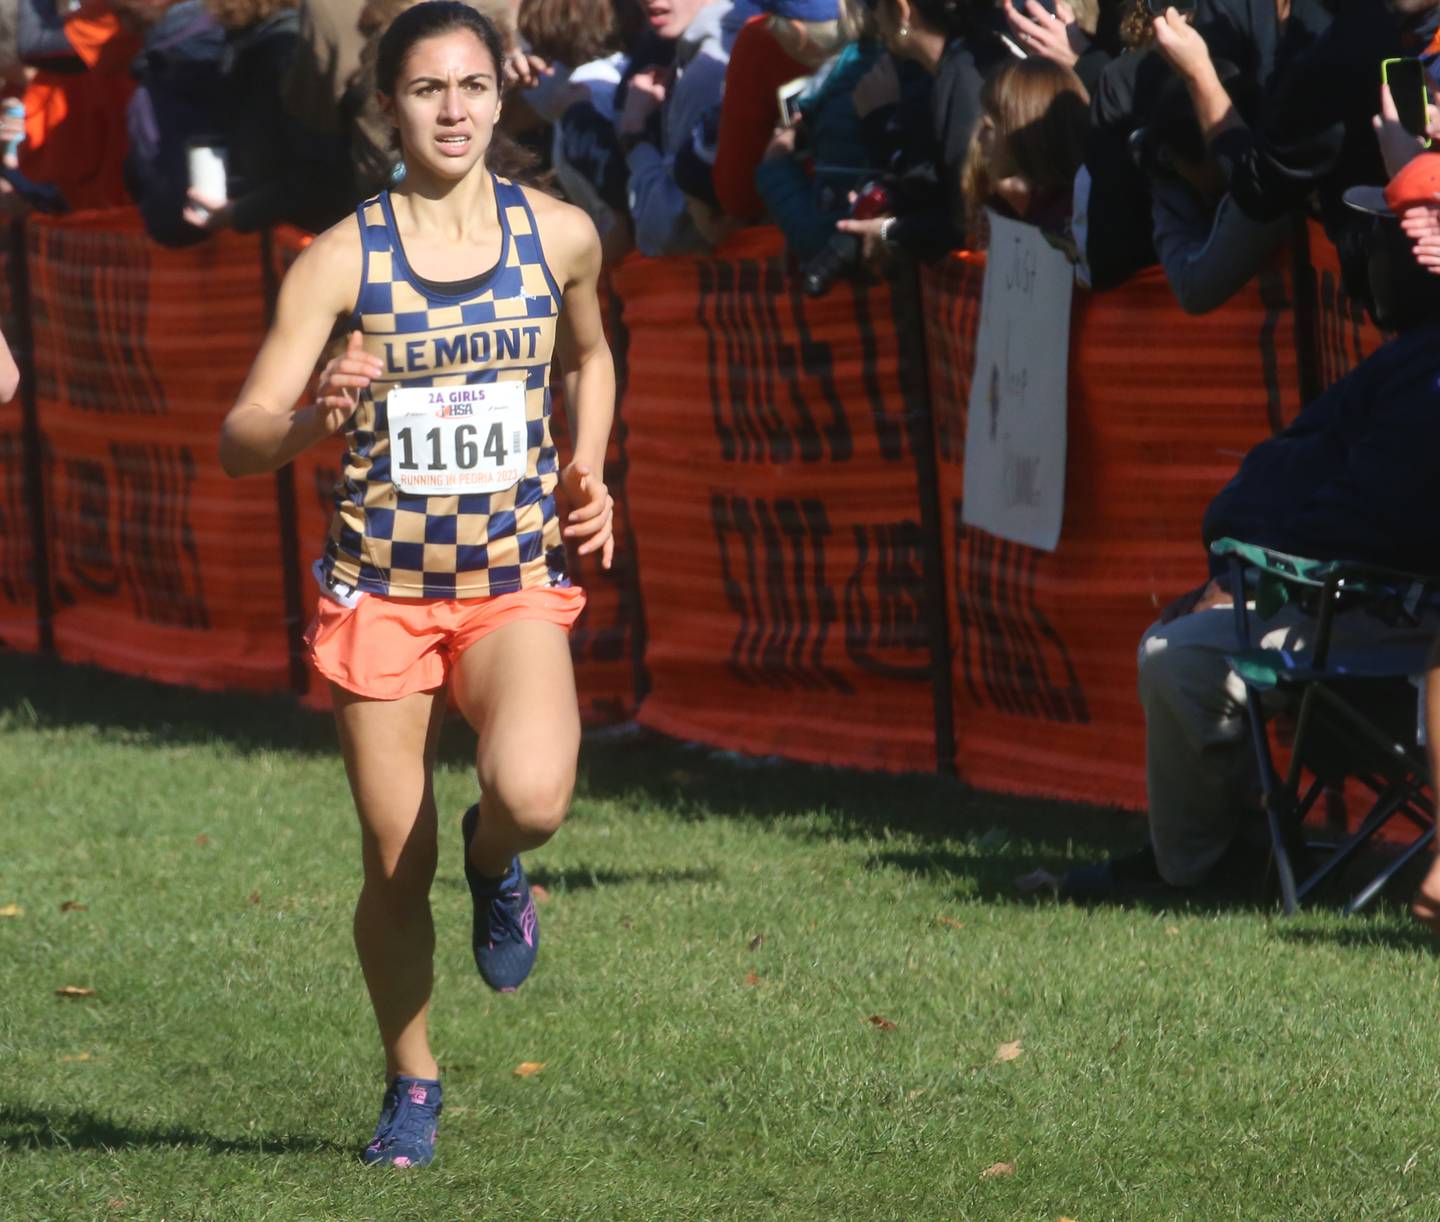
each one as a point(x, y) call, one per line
point(266, 429)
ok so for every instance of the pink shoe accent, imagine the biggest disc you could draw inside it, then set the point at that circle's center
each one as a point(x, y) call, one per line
point(417, 1095)
point(527, 924)
point(401, 1161)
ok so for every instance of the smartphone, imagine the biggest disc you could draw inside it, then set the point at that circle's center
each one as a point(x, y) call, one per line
point(1156, 8)
point(1410, 91)
point(1020, 7)
point(789, 96)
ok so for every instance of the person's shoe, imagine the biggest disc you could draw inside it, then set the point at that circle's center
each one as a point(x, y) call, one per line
point(409, 1119)
point(1133, 876)
point(506, 933)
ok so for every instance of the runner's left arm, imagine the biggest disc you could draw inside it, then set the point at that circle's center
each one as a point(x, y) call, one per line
point(589, 381)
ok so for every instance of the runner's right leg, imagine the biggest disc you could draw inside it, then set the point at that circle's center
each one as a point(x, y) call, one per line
point(389, 748)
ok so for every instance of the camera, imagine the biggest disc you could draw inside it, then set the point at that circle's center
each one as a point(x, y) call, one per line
point(842, 253)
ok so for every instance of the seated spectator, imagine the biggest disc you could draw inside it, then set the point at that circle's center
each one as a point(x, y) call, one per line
point(809, 170)
point(956, 44)
point(1029, 143)
point(683, 99)
point(1340, 483)
point(791, 40)
point(1208, 247)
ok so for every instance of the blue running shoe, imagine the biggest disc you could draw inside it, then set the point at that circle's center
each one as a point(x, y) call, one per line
point(409, 1119)
point(506, 934)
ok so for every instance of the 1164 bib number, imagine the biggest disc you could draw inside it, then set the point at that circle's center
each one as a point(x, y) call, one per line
point(446, 440)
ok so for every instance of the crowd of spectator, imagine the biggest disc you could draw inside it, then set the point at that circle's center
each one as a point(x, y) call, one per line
point(1130, 131)
point(1189, 133)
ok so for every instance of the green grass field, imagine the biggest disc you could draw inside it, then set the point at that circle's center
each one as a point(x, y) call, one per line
point(721, 942)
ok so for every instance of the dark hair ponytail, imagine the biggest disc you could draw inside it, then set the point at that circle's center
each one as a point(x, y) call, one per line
point(430, 19)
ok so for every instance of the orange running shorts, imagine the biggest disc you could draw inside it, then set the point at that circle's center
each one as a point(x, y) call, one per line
point(385, 648)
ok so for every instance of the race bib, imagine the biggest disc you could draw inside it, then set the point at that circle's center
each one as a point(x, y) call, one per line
point(446, 440)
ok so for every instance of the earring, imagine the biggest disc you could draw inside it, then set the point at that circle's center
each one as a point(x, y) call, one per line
point(397, 175)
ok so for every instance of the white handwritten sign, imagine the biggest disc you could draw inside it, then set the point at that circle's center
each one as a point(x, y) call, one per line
point(1015, 436)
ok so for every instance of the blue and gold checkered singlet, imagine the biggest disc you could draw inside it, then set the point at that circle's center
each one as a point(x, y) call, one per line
point(442, 417)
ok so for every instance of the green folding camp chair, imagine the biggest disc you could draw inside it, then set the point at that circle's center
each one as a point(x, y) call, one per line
point(1355, 713)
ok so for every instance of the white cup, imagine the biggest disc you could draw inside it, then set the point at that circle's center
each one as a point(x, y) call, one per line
point(206, 163)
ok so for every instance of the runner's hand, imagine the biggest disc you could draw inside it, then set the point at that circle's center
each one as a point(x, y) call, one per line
point(592, 512)
point(342, 380)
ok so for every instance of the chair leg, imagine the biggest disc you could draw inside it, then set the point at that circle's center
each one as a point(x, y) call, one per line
point(1378, 883)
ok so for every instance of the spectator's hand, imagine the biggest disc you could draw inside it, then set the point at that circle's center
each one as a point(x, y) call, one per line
point(1183, 47)
point(205, 212)
point(644, 97)
point(1426, 908)
point(1397, 146)
point(342, 380)
point(874, 250)
point(1202, 598)
point(12, 130)
point(1421, 223)
point(877, 88)
point(1054, 36)
point(782, 142)
point(592, 512)
point(523, 70)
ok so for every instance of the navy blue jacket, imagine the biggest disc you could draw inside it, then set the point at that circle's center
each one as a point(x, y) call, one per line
point(1357, 475)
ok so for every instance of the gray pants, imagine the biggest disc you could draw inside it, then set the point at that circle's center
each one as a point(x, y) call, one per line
point(1200, 769)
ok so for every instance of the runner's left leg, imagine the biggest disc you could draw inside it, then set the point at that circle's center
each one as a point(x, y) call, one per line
point(516, 688)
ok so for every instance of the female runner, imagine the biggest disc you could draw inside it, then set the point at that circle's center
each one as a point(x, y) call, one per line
point(445, 565)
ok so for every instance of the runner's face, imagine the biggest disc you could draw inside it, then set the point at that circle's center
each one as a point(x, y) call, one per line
point(445, 104)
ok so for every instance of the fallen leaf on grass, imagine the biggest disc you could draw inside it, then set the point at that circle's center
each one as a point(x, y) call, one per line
point(997, 1169)
point(751, 979)
point(949, 921)
point(79, 1056)
point(12, 910)
point(202, 840)
point(1115, 1047)
point(880, 1021)
point(74, 990)
point(539, 894)
point(756, 942)
point(74, 906)
point(253, 898)
point(528, 1069)
point(116, 1203)
point(1008, 1051)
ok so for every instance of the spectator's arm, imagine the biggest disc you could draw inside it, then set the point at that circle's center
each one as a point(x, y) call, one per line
point(1184, 49)
point(657, 205)
point(789, 197)
point(1207, 259)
